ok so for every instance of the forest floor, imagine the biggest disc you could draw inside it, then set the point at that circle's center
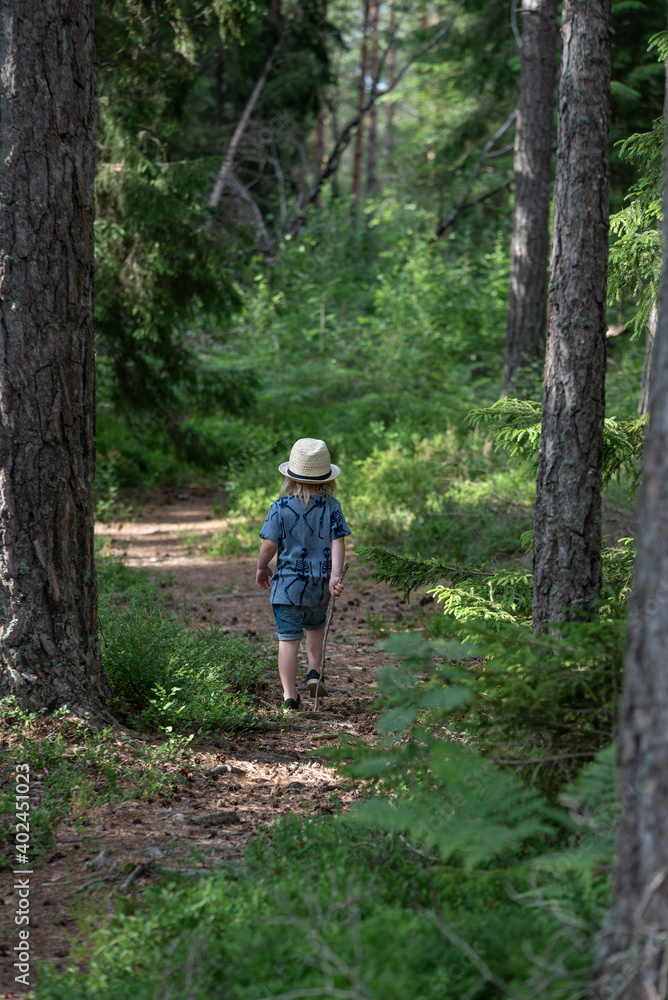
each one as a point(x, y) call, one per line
point(121, 846)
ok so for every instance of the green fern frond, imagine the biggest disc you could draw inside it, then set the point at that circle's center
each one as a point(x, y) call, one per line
point(660, 43)
point(461, 806)
point(515, 424)
point(635, 258)
point(593, 798)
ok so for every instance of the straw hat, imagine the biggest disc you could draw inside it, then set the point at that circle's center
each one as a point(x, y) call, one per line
point(309, 462)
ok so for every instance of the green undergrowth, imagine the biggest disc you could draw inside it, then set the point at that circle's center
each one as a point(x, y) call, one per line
point(115, 579)
point(541, 706)
point(545, 704)
point(165, 674)
point(440, 494)
point(73, 768)
point(450, 878)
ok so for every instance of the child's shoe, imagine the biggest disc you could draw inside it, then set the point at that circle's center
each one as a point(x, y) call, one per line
point(290, 705)
point(315, 685)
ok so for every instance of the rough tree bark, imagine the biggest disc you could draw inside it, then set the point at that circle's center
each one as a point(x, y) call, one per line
point(529, 248)
point(49, 654)
point(567, 529)
point(632, 958)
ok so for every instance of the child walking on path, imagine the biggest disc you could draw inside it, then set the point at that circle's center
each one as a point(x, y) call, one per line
point(306, 527)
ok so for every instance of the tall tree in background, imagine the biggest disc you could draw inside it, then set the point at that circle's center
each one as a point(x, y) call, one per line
point(527, 294)
point(633, 951)
point(389, 113)
point(49, 654)
point(567, 530)
point(372, 141)
point(359, 137)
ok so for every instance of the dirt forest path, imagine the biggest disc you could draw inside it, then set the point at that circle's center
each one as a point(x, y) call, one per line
point(233, 784)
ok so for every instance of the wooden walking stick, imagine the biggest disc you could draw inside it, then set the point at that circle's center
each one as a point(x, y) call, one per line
point(330, 615)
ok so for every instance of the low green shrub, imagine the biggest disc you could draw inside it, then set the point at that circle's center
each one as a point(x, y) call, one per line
point(240, 538)
point(547, 704)
point(108, 500)
point(438, 495)
point(170, 675)
point(116, 579)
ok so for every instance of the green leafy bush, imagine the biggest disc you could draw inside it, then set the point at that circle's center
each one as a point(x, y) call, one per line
point(549, 705)
point(172, 675)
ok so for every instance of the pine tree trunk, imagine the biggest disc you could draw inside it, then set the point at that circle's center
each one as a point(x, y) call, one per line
point(567, 531)
point(359, 137)
point(389, 118)
point(372, 154)
point(320, 130)
point(49, 655)
point(527, 293)
point(632, 959)
point(319, 160)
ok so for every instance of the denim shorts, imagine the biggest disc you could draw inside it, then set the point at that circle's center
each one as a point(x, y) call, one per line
point(291, 619)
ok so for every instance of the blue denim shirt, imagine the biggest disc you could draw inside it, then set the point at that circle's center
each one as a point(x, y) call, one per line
point(304, 534)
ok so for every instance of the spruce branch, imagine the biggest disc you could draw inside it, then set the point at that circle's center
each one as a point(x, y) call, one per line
point(516, 423)
point(407, 574)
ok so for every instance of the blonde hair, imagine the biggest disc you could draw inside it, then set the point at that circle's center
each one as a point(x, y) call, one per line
point(306, 490)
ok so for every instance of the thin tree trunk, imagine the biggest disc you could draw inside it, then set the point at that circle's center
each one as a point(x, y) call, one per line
point(632, 954)
point(529, 248)
point(650, 339)
point(321, 123)
point(372, 154)
point(49, 654)
point(567, 530)
point(219, 85)
point(389, 115)
point(274, 14)
point(321, 128)
point(359, 138)
point(242, 125)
